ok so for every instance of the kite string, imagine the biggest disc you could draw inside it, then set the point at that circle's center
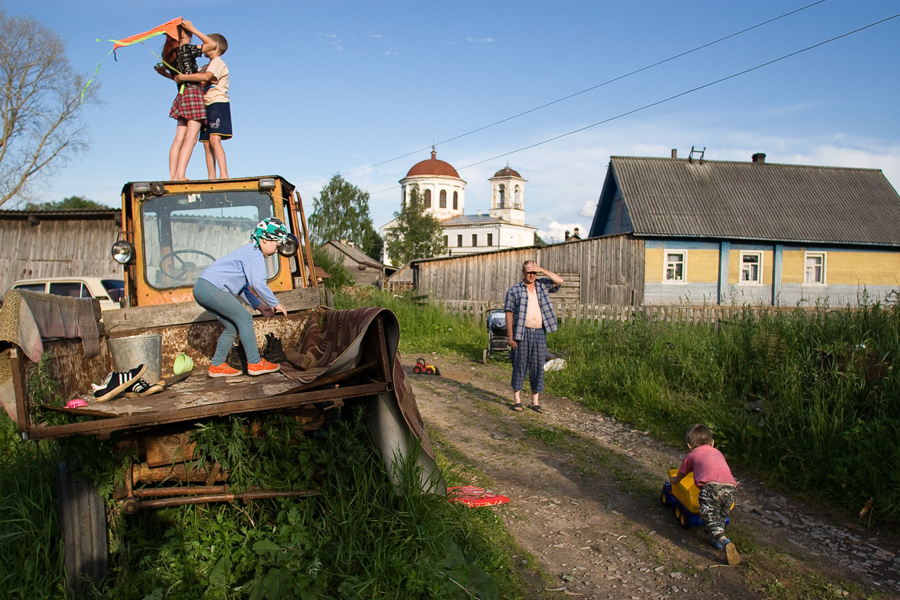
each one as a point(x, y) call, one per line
point(113, 52)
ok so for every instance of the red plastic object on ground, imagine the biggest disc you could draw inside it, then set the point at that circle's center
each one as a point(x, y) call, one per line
point(473, 496)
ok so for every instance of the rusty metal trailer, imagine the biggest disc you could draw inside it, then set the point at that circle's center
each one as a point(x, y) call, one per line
point(171, 230)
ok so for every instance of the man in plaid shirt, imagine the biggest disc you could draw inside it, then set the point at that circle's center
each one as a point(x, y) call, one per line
point(529, 317)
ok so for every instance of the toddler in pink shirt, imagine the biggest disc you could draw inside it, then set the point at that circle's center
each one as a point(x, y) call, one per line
point(716, 483)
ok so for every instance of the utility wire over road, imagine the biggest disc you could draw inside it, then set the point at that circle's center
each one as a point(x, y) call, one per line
point(584, 91)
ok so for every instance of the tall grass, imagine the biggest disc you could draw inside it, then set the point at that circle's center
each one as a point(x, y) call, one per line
point(358, 539)
point(29, 541)
point(423, 325)
point(806, 398)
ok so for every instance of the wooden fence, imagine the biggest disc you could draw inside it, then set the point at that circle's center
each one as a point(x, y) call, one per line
point(607, 270)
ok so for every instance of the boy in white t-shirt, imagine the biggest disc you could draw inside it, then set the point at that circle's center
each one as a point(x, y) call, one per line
point(214, 77)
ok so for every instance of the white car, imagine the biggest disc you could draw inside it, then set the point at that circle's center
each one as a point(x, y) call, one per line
point(108, 291)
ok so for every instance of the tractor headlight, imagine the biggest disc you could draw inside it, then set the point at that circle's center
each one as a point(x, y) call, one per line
point(123, 252)
point(290, 246)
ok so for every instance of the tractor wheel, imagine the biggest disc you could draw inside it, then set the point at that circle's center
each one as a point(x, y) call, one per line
point(665, 498)
point(684, 520)
point(431, 370)
point(82, 521)
point(417, 368)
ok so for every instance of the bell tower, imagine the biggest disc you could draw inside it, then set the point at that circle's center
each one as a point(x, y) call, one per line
point(508, 196)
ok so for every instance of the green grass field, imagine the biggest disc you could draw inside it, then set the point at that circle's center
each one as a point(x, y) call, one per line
point(807, 400)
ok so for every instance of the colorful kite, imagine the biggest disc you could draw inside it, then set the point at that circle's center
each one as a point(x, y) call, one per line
point(169, 28)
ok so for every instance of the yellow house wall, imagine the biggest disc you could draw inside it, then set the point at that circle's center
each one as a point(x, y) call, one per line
point(846, 268)
point(734, 267)
point(702, 265)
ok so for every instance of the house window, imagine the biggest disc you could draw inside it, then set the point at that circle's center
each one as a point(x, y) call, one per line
point(751, 267)
point(502, 196)
point(490, 240)
point(446, 241)
point(443, 198)
point(676, 263)
point(815, 268)
point(459, 241)
point(474, 239)
point(455, 200)
point(517, 199)
point(427, 198)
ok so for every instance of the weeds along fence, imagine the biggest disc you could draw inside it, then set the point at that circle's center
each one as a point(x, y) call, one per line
point(594, 313)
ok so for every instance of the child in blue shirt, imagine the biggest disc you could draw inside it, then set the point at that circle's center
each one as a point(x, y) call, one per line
point(242, 273)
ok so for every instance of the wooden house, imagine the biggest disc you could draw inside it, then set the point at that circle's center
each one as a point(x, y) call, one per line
point(364, 269)
point(716, 232)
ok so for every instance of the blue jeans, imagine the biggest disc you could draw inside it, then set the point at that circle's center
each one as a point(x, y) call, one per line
point(234, 317)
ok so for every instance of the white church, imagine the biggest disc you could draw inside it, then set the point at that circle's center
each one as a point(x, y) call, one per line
point(444, 196)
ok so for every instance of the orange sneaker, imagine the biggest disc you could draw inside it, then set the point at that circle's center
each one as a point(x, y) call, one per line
point(223, 370)
point(262, 367)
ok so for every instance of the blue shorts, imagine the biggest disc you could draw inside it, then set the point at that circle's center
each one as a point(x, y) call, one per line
point(218, 121)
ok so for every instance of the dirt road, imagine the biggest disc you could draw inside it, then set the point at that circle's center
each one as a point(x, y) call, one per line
point(585, 505)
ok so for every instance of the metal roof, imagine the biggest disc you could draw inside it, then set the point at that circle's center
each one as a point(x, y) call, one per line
point(354, 253)
point(757, 201)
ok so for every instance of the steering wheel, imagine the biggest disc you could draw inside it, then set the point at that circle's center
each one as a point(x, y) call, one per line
point(185, 266)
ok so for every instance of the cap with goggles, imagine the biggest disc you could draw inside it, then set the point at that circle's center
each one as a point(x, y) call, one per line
point(274, 230)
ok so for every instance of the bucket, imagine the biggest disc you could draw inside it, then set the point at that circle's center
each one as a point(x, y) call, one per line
point(129, 352)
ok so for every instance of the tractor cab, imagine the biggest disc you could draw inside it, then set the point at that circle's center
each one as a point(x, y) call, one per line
point(172, 231)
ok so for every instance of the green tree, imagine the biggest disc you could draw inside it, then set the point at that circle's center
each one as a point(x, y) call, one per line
point(41, 101)
point(70, 203)
point(341, 212)
point(416, 233)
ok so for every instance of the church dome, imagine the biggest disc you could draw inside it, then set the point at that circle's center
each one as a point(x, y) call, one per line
point(507, 172)
point(432, 167)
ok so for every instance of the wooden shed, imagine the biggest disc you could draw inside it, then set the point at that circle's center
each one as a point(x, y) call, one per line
point(364, 269)
point(58, 244)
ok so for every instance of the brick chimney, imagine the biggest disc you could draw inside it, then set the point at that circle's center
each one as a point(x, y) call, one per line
point(759, 157)
point(674, 152)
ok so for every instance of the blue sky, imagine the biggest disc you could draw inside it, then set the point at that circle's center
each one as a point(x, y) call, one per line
point(324, 87)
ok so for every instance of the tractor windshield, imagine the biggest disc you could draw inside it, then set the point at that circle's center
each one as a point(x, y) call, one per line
point(185, 233)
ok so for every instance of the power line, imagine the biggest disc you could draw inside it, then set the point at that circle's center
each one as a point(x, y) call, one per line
point(584, 91)
point(684, 93)
point(674, 96)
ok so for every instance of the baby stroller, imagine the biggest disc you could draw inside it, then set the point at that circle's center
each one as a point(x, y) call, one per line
point(497, 336)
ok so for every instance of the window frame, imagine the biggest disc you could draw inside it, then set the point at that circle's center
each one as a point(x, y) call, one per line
point(759, 268)
point(443, 199)
point(474, 240)
point(823, 266)
point(490, 239)
point(684, 266)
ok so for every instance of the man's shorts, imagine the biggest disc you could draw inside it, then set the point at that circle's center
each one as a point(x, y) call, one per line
point(218, 121)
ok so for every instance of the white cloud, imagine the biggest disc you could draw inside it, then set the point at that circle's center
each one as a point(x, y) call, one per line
point(556, 232)
point(474, 40)
point(332, 40)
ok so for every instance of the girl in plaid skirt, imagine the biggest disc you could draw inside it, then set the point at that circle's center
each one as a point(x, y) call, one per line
point(188, 108)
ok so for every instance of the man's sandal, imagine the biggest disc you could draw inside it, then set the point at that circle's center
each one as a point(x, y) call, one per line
point(517, 407)
point(537, 408)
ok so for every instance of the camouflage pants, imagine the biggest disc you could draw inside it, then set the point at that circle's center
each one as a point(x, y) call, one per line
point(715, 502)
